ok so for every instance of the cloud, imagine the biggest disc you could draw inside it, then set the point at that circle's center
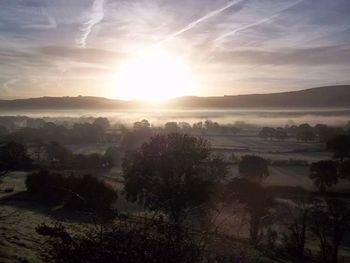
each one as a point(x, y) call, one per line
point(224, 36)
point(7, 86)
point(320, 56)
point(96, 16)
point(202, 19)
point(51, 21)
point(88, 55)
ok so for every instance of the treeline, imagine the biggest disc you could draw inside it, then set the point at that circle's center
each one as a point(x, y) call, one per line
point(15, 156)
point(303, 132)
point(95, 132)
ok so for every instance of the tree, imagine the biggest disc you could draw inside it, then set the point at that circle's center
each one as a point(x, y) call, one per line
point(112, 156)
point(295, 218)
point(267, 133)
point(144, 124)
point(102, 122)
point(171, 127)
point(253, 168)
point(324, 133)
point(13, 156)
point(324, 174)
point(330, 223)
point(344, 171)
point(340, 146)
point(281, 134)
point(185, 126)
point(173, 174)
point(57, 153)
point(257, 202)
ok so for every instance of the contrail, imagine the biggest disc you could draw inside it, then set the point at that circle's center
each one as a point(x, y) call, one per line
point(96, 16)
point(200, 20)
point(220, 39)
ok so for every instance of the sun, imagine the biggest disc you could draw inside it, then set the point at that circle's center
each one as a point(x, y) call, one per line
point(153, 76)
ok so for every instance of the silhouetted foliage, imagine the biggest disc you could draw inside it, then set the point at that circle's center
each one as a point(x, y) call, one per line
point(81, 193)
point(330, 223)
point(344, 170)
point(257, 202)
point(49, 131)
point(112, 156)
point(267, 133)
point(281, 134)
point(13, 156)
point(172, 173)
point(324, 174)
point(144, 124)
point(295, 219)
point(127, 240)
point(47, 185)
point(254, 168)
point(57, 154)
point(305, 133)
point(340, 146)
point(102, 122)
point(140, 134)
point(171, 127)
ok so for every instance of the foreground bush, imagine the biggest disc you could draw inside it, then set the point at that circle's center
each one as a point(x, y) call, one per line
point(85, 193)
point(140, 241)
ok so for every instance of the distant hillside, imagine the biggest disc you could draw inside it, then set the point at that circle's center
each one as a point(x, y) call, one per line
point(331, 96)
point(80, 102)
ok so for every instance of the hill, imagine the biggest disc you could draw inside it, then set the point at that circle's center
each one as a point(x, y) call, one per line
point(321, 97)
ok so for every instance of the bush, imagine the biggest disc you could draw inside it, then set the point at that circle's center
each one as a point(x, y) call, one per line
point(126, 240)
point(85, 193)
point(46, 185)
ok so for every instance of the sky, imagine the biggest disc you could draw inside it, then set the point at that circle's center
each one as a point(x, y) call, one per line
point(74, 47)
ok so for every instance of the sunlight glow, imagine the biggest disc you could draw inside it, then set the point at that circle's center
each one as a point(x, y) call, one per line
point(154, 76)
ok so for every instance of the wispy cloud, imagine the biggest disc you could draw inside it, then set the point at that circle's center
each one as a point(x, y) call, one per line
point(218, 41)
point(202, 19)
point(50, 24)
point(7, 86)
point(96, 16)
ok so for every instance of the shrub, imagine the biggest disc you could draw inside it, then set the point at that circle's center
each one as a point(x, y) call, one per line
point(85, 193)
point(127, 240)
point(46, 185)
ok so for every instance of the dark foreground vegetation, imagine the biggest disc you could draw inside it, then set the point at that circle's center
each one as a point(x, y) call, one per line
point(184, 194)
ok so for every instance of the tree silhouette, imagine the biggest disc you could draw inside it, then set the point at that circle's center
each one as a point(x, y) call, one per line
point(330, 223)
point(324, 174)
point(102, 122)
point(173, 174)
point(340, 146)
point(267, 133)
point(344, 171)
point(13, 156)
point(257, 202)
point(253, 168)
